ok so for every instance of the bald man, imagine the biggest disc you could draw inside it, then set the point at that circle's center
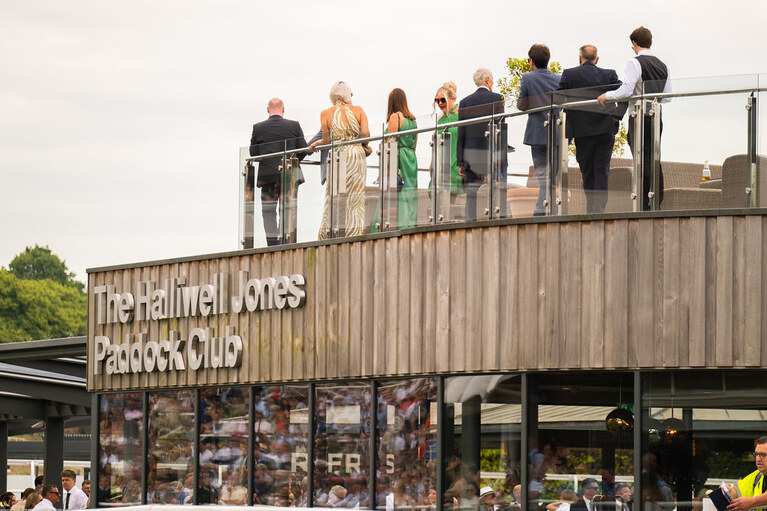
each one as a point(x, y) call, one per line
point(271, 136)
point(593, 127)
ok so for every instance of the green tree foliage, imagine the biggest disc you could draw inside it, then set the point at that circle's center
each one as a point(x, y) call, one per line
point(40, 263)
point(39, 298)
point(508, 86)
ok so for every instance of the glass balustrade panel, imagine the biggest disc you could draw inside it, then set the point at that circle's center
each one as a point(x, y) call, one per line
point(414, 196)
point(526, 188)
point(479, 156)
point(349, 191)
point(702, 144)
point(245, 201)
point(592, 174)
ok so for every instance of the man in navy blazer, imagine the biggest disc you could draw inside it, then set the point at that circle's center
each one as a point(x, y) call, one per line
point(535, 90)
point(474, 144)
point(592, 127)
point(270, 136)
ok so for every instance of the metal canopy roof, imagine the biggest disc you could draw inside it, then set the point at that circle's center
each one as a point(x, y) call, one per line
point(41, 380)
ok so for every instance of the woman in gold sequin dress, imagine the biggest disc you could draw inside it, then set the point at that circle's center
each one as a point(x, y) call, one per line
point(341, 122)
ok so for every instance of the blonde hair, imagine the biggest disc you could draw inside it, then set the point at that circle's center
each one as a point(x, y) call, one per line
point(449, 89)
point(32, 500)
point(340, 91)
point(339, 491)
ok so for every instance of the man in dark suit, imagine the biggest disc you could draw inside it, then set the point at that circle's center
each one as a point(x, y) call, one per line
point(535, 90)
point(270, 136)
point(593, 127)
point(585, 502)
point(473, 144)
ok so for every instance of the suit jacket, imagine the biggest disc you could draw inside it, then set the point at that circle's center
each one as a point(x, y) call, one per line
point(579, 505)
point(472, 144)
point(535, 90)
point(323, 157)
point(584, 82)
point(270, 136)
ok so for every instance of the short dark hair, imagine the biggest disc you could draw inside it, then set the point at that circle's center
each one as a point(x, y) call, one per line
point(69, 473)
point(642, 36)
point(540, 55)
point(39, 480)
point(588, 481)
point(620, 486)
point(48, 488)
point(85, 481)
point(761, 440)
point(27, 492)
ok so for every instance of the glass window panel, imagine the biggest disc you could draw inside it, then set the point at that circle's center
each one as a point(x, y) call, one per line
point(406, 444)
point(170, 452)
point(700, 430)
point(121, 431)
point(280, 445)
point(482, 439)
point(584, 438)
point(223, 450)
point(341, 445)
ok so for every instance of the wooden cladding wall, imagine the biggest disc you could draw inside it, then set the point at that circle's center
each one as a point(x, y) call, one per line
point(626, 293)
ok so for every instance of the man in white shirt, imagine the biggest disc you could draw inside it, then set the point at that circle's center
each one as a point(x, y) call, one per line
point(645, 74)
point(50, 496)
point(74, 497)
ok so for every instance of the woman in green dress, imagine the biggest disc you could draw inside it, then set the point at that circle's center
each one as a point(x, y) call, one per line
point(445, 100)
point(401, 119)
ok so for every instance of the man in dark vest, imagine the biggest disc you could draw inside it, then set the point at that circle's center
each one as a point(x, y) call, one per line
point(645, 73)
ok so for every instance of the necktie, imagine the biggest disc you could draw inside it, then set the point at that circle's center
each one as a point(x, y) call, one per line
point(66, 505)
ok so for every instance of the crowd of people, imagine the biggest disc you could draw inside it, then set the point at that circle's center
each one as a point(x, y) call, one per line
point(45, 497)
point(593, 130)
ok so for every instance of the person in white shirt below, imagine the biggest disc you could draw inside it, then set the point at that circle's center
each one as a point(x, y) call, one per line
point(50, 497)
point(645, 73)
point(73, 497)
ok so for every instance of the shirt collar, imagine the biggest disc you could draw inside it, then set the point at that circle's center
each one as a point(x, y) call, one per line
point(644, 52)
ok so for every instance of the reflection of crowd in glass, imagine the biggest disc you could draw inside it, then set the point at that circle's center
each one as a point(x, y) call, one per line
point(280, 429)
point(120, 462)
point(171, 433)
point(406, 456)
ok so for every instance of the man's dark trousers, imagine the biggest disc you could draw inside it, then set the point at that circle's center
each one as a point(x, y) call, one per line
point(593, 155)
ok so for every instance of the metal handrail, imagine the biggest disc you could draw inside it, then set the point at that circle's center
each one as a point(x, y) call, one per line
point(505, 115)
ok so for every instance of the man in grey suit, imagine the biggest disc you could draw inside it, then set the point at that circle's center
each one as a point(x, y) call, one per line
point(323, 157)
point(535, 91)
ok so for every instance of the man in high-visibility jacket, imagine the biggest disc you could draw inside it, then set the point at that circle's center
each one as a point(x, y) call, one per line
point(752, 487)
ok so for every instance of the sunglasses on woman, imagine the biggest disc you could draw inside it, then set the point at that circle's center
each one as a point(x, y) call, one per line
point(441, 101)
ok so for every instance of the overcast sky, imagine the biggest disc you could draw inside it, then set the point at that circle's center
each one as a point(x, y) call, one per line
point(121, 121)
